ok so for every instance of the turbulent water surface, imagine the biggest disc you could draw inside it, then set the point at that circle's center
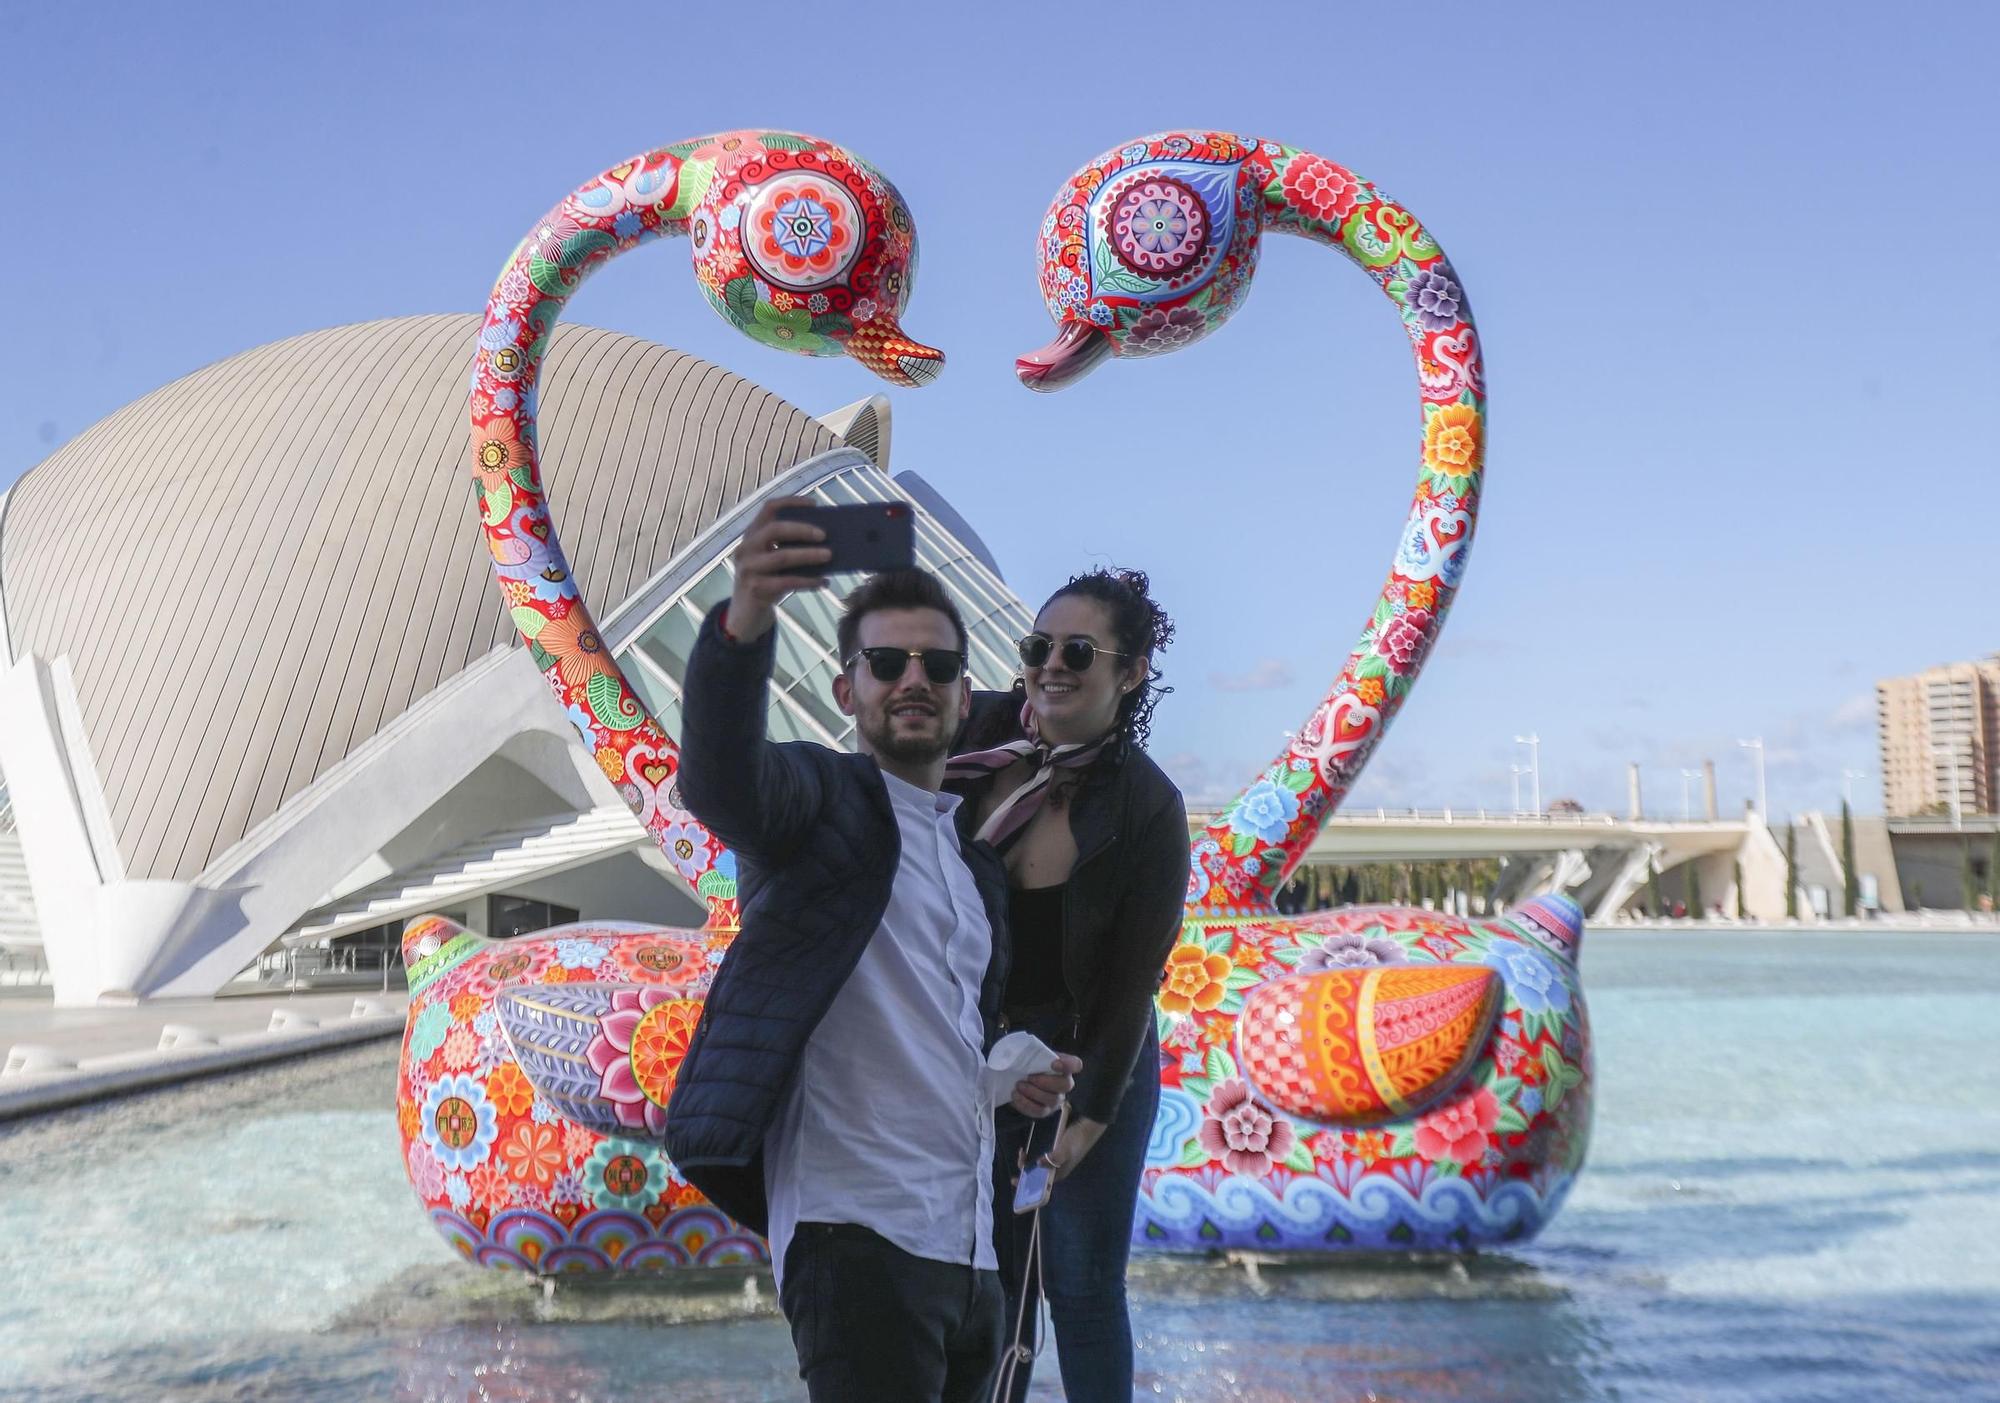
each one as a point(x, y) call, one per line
point(1793, 1193)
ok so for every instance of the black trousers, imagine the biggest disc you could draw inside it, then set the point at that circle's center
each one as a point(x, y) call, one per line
point(874, 1324)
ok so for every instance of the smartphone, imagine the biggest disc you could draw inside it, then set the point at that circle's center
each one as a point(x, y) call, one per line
point(1038, 1180)
point(866, 537)
point(1034, 1188)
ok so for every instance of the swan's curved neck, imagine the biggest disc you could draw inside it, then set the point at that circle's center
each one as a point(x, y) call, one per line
point(1265, 832)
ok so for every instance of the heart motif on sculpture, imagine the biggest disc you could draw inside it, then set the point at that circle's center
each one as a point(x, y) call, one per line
point(1340, 728)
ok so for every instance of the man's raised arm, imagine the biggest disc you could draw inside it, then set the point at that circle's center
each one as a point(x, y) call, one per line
point(749, 793)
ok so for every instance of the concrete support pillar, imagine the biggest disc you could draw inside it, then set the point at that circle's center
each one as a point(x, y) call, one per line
point(1708, 790)
point(1636, 807)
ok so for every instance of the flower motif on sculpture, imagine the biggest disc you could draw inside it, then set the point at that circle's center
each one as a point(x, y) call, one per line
point(637, 1053)
point(1245, 1136)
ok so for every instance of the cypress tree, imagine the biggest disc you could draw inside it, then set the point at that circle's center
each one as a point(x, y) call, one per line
point(1695, 908)
point(1967, 881)
point(1791, 871)
point(1851, 888)
point(1738, 867)
point(1653, 888)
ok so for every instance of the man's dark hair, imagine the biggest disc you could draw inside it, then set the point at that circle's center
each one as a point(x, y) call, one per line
point(894, 589)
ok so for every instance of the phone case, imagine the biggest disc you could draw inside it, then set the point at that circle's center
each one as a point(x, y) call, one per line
point(864, 538)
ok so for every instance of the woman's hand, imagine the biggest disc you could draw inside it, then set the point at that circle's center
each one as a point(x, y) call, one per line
point(1076, 1141)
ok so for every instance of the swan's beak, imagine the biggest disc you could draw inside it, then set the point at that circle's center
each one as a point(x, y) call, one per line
point(883, 348)
point(1072, 355)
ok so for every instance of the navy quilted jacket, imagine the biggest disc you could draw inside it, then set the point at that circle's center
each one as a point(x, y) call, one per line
point(817, 849)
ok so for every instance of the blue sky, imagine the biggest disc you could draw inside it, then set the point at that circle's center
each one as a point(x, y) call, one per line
point(1725, 259)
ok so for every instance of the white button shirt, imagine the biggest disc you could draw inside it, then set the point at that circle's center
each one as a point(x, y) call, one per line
point(889, 1124)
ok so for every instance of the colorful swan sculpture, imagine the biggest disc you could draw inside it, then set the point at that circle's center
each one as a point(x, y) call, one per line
point(535, 1073)
point(1377, 1077)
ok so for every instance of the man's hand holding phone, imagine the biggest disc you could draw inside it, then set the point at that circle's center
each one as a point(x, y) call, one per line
point(775, 558)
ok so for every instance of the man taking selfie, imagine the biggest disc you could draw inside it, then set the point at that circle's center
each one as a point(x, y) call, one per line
point(835, 1096)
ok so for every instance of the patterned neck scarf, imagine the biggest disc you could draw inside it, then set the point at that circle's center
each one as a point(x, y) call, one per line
point(1005, 823)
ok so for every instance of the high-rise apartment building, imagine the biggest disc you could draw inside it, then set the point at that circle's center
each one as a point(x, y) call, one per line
point(1939, 733)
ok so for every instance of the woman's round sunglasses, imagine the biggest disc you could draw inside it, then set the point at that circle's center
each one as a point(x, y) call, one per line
point(1077, 653)
point(941, 665)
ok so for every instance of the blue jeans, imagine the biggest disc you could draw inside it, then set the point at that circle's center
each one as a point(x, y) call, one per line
point(1086, 1237)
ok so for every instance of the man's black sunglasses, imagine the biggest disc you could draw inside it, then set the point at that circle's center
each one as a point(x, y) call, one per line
point(941, 665)
point(1077, 653)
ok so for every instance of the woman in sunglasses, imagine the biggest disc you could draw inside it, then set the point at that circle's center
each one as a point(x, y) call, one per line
point(1095, 838)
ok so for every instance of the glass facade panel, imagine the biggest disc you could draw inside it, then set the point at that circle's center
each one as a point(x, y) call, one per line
point(669, 641)
point(814, 695)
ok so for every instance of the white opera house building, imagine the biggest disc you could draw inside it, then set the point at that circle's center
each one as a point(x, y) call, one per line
point(261, 702)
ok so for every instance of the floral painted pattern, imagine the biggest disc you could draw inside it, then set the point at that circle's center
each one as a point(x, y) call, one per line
point(1246, 1137)
point(483, 1143)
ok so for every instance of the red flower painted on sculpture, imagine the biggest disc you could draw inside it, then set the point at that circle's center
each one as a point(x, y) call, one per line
point(1458, 1131)
point(1236, 1130)
point(1320, 188)
point(1403, 637)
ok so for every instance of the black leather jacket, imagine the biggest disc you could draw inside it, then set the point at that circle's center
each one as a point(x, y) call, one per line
point(817, 848)
point(1122, 904)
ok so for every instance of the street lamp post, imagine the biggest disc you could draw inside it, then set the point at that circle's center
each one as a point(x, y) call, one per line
point(1756, 746)
point(1687, 806)
point(1847, 778)
point(1534, 744)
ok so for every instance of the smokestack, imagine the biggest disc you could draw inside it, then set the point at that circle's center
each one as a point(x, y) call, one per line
point(1708, 789)
point(1638, 807)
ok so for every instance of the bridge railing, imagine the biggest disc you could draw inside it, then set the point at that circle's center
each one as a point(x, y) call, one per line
point(1201, 815)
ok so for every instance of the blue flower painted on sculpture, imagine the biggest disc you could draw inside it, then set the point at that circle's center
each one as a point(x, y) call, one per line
point(683, 843)
point(1532, 980)
point(1434, 298)
point(494, 335)
point(624, 1174)
point(626, 225)
point(579, 954)
point(1530, 1100)
point(427, 1033)
point(802, 226)
point(457, 1190)
point(459, 1123)
point(1265, 811)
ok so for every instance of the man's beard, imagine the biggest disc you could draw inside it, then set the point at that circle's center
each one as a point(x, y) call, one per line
point(880, 733)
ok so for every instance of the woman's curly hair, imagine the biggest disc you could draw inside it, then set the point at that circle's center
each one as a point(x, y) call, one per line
point(1141, 628)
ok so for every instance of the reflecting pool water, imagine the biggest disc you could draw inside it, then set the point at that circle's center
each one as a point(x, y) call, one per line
point(1793, 1193)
